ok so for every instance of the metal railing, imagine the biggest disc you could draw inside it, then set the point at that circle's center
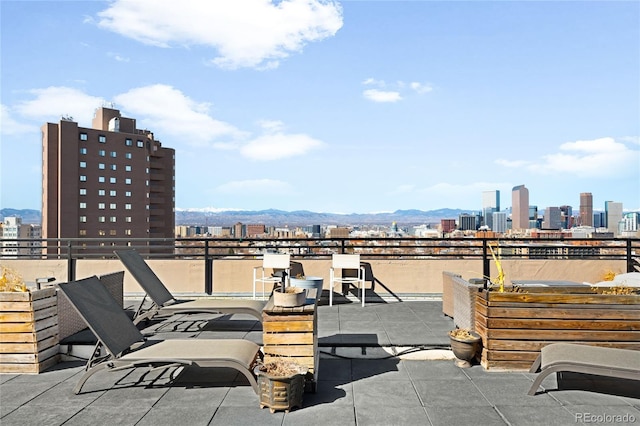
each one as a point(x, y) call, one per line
point(207, 249)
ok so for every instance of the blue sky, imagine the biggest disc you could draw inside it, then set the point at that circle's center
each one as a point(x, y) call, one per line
point(343, 107)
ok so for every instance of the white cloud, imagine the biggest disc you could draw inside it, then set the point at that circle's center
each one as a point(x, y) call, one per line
point(117, 57)
point(421, 88)
point(373, 82)
point(512, 164)
point(597, 158)
point(167, 111)
point(376, 95)
point(10, 126)
point(248, 33)
point(255, 186)
point(277, 145)
point(53, 102)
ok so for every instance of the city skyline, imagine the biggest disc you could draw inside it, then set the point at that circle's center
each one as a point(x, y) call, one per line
point(330, 114)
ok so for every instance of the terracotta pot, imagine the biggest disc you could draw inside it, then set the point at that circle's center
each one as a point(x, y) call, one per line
point(465, 350)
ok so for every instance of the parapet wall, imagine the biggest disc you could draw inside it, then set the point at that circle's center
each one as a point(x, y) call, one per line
point(389, 276)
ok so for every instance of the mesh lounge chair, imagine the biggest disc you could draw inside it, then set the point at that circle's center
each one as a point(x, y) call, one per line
point(163, 303)
point(126, 347)
point(602, 361)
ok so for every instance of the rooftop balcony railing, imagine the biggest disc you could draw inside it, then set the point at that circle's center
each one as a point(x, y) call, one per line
point(395, 266)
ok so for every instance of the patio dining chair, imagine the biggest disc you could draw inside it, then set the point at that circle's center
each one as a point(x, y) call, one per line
point(351, 273)
point(280, 264)
point(122, 346)
point(163, 302)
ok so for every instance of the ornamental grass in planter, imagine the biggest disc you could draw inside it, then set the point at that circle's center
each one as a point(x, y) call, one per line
point(465, 345)
point(281, 385)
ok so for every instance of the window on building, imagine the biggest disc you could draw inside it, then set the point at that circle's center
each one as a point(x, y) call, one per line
point(127, 206)
point(112, 206)
point(112, 219)
point(83, 232)
point(83, 205)
point(101, 192)
point(112, 193)
point(128, 142)
point(102, 139)
point(83, 191)
point(83, 219)
point(101, 220)
point(128, 155)
point(102, 152)
point(127, 181)
point(101, 232)
point(83, 151)
point(112, 232)
point(127, 219)
point(83, 178)
point(101, 206)
point(140, 144)
point(113, 154)
point(127, 194)
point(127, 232)
point(127, 168)
point(83, 136)
point(113, 167)
point(112, 180)
point(101, 179)
point(83, 164)
point(101, 166)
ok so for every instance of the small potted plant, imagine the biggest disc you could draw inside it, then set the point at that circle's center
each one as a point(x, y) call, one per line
point(289, 297)
point(465, 345)
point(281, 384)
point(309, 283)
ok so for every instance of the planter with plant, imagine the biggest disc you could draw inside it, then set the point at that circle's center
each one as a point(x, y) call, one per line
point(309, 283)
point(465, 345)
point(281, 384)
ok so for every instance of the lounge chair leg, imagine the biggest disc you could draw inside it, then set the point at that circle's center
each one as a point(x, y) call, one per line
point(86, 375)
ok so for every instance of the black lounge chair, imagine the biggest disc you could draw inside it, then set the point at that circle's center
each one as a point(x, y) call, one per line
point(163, 302)
point(122, 346)
point(577, 358)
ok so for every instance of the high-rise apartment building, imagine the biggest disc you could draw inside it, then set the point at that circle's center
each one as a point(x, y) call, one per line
point(109, 181)
point(20, 240)
point(519, 208)
point(586, 209)
point(499, 222)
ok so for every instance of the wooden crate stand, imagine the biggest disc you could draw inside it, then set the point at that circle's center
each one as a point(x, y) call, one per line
point(514, 326)
point(28, 331)
point(292, 333)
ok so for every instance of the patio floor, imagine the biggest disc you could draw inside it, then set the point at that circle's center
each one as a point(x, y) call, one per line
point(360, 382)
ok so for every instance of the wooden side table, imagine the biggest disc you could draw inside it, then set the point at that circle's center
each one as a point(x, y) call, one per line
point(292, 333)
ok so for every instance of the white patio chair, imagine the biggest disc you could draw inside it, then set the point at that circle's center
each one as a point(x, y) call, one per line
point(346, 262)
point(276, 262)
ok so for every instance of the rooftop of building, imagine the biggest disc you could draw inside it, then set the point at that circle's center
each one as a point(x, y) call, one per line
point(381, 364)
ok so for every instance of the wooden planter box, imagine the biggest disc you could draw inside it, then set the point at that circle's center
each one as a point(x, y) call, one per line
point(28, 331)
point(292, 333)
point(514, 326)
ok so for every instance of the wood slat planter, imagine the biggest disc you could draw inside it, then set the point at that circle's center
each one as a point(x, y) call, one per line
point(514, 326)
point(292, 333)
point(28, 331)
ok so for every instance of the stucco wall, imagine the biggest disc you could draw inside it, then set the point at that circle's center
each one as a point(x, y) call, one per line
point(234, 276)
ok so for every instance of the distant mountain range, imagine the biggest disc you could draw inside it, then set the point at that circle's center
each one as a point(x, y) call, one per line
point(273, 217)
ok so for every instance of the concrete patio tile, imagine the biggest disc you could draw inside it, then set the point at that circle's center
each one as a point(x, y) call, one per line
point(388, 415)
point(335, 370)
point(16, 393)
point(464, 416)
point(434, 370)
point(254, 415)
point(535, 416)
point(511, 391)
point(62, 395)
point(241, 396)
point(121, 416)
point(124, 399)
point(385, 370)
point(384, 394)
point(330, 393)
point(178, 415)
point(450, 393)
point(179, 396)
point(358, 313)
point(37, 416)
point(579, 397)
point(327, 415)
